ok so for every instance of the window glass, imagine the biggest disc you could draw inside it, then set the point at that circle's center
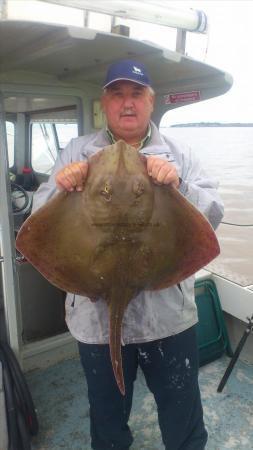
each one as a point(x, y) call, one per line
point(65, 132)
point(10, 142)
point(44, 149)
point(47, 139)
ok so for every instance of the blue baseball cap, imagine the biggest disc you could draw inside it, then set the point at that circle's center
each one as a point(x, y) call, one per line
point(127, 70)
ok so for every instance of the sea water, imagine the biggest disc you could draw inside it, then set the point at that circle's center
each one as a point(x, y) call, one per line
point(226, 153)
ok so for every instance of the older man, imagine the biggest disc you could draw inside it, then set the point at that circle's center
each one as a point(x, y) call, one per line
point(158, 331)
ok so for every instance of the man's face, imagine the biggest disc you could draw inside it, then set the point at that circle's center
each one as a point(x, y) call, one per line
point(128, 107)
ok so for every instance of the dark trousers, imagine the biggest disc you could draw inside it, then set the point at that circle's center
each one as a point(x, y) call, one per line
point(170, 367)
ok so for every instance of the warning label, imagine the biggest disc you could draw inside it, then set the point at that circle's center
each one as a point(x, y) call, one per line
point(180, 97)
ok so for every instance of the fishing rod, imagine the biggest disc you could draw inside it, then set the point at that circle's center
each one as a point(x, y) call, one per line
point(19, 421)
point(249, 329)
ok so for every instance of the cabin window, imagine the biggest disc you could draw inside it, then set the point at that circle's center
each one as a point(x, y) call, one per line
point(10, 129)
point(47, 140)
point(65, 132)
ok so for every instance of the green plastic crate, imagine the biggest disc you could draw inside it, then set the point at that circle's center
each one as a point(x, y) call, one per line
point(213, 340)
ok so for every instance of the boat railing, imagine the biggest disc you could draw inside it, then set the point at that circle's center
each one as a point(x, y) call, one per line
point(149, 11)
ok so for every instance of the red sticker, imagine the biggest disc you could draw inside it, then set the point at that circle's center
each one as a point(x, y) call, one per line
point(180, 97)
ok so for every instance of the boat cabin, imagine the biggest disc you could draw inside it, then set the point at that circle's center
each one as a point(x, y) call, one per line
point(50, 86)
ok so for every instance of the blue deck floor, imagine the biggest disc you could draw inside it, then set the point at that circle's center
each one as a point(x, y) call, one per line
point(60, 396)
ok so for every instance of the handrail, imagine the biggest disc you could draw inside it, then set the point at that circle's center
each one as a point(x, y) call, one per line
point(148, 11)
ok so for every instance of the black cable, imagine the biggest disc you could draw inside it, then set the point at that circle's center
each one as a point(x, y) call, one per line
point(238, 224)
point(24, 435)
point(13, 441)
point(23, 394)
point(22, 420)
point(236, 355)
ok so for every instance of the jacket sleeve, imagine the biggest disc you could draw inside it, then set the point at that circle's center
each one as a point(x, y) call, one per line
point(201, 189)
point(48, 189)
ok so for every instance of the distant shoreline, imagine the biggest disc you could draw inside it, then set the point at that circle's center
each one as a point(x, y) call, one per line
point(211, 124)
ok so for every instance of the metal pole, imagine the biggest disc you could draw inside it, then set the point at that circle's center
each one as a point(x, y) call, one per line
point(11, 299)
point(237, 352)
point(181, 41)
point(85, 18)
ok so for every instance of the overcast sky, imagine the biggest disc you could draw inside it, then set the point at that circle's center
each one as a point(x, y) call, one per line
point(228, 46)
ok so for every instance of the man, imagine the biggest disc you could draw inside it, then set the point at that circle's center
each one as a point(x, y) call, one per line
point(158, 330)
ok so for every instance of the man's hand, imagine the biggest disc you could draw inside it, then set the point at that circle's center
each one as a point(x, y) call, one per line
point(162, 172)
point(72, 176)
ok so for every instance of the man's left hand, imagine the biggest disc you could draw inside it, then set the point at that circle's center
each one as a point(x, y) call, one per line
point(162, 172)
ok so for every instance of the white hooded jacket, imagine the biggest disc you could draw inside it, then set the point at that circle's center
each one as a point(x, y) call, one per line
point(152, 314)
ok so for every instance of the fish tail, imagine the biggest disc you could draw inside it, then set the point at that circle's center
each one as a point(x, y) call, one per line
point(116, 315)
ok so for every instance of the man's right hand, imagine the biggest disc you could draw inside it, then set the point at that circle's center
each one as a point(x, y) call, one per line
point(72, 176)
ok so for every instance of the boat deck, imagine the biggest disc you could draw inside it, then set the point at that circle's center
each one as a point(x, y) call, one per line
point(235, 260)
point(60, 396)
point(236, 237)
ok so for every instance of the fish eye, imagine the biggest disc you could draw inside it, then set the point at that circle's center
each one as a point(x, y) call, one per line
point(138, 188)
point(106, 192)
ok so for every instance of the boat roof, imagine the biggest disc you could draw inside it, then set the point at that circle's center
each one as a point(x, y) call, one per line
point(75, 56)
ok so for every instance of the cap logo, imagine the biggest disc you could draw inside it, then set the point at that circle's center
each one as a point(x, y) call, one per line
point(137, 71)
point(128, 70)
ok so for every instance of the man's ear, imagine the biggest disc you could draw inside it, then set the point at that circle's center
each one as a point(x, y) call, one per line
point(152, 100)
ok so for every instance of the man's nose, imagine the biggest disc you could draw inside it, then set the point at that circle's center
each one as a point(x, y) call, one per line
point(128, 101)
